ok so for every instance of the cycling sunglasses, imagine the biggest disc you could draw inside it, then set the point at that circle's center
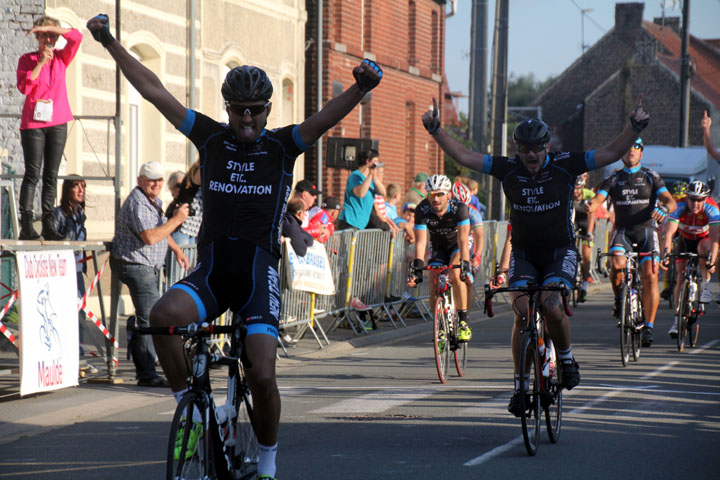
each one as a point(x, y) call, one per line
point(695, 199)
point(637, 146)
point(527, 148)
point(437, 194)
point(251, 110)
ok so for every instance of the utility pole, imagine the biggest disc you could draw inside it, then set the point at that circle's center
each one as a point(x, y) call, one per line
point(498, 121)
point(583, 11)
point(477, 118)
point(685, 77)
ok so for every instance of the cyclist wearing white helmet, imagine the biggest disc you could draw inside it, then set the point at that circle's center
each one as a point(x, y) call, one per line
point(697, 218)
point(538, 184)
point(446, 224)
point(461, 193)
point(245, 187)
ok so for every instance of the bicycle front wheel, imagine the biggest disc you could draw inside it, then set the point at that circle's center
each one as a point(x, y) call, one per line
point(635, 337)
point(626, 324)
point(190, 447)
point(529, 393)
point(440, 339)
point(247, 453)
point(552, 397)
point(683, 314)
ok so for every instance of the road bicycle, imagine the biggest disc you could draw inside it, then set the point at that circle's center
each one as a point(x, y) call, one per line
point(543, 391)
point(210, 441)
point(445, 325)
point(689, 309)
point(631, 317)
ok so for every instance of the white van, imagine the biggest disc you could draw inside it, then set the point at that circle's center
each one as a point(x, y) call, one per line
point(675, 164)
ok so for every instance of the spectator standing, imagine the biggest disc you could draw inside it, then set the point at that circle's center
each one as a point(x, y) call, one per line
point(43, 124)
point(187, 190)
point(294, 216)
point(306, 191)
point(69, 219)
point(417, 192)
point(360, 189)
point(142, 237)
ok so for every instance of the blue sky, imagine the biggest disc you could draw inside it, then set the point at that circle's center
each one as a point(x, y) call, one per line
point(545, 35)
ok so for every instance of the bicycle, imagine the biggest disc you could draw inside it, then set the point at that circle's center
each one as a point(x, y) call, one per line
point(543, 392)
point(445, 326)
point(631, 315)
point(689, 309)
point(208, 441)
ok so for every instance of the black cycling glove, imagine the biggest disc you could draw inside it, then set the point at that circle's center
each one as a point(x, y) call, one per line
point(103, 35)
point(365, 82)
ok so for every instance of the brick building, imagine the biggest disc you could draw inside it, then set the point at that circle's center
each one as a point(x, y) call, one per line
point(407, 39)
point(589, 103)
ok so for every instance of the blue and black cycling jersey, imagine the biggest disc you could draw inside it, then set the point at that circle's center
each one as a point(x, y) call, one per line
point(633, 192)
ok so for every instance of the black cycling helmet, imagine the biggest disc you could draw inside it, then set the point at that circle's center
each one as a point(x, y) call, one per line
point(246, 83)
point(531, 131)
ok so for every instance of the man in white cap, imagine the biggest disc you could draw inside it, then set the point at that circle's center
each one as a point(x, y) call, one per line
point(142, 237)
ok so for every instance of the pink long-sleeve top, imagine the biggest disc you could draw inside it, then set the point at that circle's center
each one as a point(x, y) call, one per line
point(49, 85)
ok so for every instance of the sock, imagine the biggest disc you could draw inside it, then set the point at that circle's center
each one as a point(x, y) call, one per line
point(564, 354)
point(266, 461)
point(584, 285)
point(462, 316)
point(648, 325)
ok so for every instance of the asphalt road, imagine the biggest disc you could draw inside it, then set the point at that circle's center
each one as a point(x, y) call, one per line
point(378, 411)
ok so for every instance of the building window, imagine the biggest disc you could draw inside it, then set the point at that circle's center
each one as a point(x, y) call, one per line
point(288, 100)
point(412, 33)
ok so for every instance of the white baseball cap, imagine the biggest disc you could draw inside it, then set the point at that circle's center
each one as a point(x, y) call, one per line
point(151, 171)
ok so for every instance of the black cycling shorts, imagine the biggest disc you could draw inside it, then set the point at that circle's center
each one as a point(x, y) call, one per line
point(441, 254)
point(543, 266)
point(237, 275)
point(646, 239)
point(688, 245)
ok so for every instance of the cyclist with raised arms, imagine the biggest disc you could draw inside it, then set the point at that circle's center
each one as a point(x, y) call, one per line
point(697, 218)
point(539, 185)
point(585, 225)
point(445, 225)
point(634, 191)
point(246, 181)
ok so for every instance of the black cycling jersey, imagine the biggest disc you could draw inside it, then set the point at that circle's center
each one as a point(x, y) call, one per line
point(541, 205)
point(634, 192)
point(245, 186)
point(442, 230)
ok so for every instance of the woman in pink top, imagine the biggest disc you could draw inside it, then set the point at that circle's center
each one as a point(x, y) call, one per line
point(45, 115)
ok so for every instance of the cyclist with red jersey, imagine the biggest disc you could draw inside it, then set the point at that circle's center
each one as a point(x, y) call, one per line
point(697, 218)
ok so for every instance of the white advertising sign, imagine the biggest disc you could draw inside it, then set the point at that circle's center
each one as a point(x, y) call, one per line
point(310, 273)
point(48, 320)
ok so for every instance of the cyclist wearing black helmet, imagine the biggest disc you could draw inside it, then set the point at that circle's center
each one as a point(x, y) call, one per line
point(246, 181)
point(635, 191)
point(539, 185)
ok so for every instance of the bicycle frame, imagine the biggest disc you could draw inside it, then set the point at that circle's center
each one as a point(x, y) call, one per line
point(688, 310)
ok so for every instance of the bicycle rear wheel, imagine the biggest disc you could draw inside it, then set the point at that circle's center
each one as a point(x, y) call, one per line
point(247, 453)
point(440, 339)
point(190, 447)
point(552, 397)
point(683, 314)
point(530, 396)
point(460, 352)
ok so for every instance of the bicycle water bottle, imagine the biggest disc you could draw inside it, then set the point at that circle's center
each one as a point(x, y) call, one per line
point(692, 291)
point(634, 301)
point(225, 415)
point(442, 281)
point(543, 357)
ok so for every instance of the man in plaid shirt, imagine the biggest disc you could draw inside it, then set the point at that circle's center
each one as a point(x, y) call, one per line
point(142, 237)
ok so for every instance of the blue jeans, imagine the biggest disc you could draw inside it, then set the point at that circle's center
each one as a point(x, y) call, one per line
point(142, 281)
point(42, 149)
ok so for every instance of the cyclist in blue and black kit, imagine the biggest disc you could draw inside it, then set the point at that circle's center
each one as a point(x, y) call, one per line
point(635, 191)
point(246, 182)
point(539, 185)
point(444, 224)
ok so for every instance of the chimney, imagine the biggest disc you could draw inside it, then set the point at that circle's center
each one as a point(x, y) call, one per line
point(673, 23)
point(628, 16)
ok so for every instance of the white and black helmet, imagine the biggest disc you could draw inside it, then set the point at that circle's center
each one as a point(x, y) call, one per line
point(698, 189)
point(438, 182)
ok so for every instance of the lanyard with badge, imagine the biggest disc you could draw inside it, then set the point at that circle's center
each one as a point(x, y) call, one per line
point(44, 107)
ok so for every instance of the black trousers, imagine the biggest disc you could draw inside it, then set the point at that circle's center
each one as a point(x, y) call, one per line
point(43, 149)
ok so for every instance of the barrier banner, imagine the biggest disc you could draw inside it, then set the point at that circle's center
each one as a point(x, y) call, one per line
point(310, 273)
point(48, 320)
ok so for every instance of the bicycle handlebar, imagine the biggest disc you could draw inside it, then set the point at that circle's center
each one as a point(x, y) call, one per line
point(528, 290)
point(196, 329)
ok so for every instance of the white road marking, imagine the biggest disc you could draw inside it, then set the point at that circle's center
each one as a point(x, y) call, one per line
point(512, 443)
point(376, 402)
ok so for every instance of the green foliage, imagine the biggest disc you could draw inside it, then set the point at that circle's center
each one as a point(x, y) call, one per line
point(523, 89)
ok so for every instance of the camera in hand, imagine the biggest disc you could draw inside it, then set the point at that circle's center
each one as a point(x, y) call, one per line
point(376, 165)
